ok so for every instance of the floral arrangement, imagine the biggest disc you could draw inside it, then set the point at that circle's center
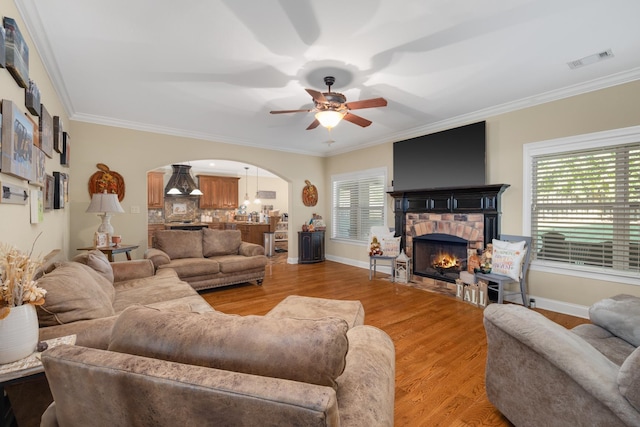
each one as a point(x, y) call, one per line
point(17, 285)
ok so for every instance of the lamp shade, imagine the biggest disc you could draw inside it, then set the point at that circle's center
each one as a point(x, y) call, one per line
point(105, 202)
point(329, 118)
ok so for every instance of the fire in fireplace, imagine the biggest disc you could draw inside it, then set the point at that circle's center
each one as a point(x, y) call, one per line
point(439, 256)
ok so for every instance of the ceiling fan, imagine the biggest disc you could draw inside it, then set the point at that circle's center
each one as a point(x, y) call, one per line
point(332, 107)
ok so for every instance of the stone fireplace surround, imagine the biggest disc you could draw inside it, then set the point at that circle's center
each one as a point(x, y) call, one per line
point(470, 213)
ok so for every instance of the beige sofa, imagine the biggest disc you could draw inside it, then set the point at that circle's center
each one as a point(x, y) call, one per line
point(149, 331)
point(541, 374)
point(208, 258)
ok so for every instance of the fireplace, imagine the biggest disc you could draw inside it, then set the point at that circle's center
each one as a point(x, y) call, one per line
point(462, 219)
point(439, 256)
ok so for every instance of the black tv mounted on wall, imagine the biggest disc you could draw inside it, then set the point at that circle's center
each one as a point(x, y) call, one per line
point(451, 158)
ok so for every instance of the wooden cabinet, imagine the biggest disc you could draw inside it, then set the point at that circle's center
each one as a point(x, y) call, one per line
point(310, 247)
point(155, 190)
point(253, 233)
point(219, 192)
point(152, 228)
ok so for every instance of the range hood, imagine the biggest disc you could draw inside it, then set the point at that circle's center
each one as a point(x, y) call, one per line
point(181, 182)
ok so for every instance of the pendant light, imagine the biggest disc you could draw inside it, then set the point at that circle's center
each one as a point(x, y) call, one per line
point(257, 199)
point(246, 186)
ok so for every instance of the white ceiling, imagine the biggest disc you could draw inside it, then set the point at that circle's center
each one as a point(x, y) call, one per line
point(214, 69)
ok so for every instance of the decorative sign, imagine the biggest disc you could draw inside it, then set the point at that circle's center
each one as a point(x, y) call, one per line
point(106, 180)
point(14, 194)
point(309, 194)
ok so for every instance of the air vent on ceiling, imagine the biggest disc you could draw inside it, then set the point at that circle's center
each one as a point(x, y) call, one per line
point(591, 59)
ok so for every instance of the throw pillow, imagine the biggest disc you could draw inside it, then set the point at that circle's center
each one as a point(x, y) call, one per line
point(220, 242)
point(629, 379)
point(97, 260)
point(391, 246)
point(179, 243)
point(74, 292)
point(308, 350)
point(619, 315)
point(507, 258)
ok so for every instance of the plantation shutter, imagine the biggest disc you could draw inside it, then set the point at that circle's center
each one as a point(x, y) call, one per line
point(585, 207)
point(358, 204)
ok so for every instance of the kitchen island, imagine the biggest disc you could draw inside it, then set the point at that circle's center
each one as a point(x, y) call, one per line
point(251, 232)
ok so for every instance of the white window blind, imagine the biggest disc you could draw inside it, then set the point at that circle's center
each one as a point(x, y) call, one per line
point(585, 207)
point(358, 203)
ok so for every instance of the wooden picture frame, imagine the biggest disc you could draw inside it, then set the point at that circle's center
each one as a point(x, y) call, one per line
point(46, 132)
point(17, 142)
point(36, 130)
point(60, 184)
point(49, 192)
point(58, 137)
point(16, 52)
point(66, 149)
point(100, 240)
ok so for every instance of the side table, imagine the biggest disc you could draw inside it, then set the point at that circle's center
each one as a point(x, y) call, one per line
point(110, 251)
point(373, 260)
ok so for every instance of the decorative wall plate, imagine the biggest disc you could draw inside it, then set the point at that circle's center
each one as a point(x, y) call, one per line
point(108, 180)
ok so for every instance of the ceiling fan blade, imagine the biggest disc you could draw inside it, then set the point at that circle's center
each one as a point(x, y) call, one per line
point(317, 96)
point(367, 103)
point(360, 121)
point(289, 111)
point(313, 124)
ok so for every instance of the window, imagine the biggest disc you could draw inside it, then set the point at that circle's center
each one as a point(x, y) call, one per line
point(358, 203)
point(584, 203)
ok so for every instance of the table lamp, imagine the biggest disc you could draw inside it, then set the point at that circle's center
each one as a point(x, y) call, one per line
point(105, 203)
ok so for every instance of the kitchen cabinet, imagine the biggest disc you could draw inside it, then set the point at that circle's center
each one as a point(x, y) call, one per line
point(218, 192)
point(155, 190)
point(310, 247)
point(253, 232)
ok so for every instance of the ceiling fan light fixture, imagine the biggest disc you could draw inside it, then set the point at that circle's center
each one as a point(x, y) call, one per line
point(329, 118)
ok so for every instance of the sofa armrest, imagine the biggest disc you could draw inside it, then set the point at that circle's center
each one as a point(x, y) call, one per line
point(93, 333)
point(136, 269)
point(157, 256)
point(371, 361)
point(532, 360)
point(250, 249)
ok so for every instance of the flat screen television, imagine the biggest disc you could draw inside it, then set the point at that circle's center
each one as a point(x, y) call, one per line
point(451, 158)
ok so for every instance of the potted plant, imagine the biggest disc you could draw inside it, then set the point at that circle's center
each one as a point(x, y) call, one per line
point(19, 294)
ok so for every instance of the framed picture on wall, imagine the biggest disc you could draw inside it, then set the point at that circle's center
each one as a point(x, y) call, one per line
point(58, 139)
point(32, 98)
point(66, 149)
point(49, 192)
point(60, 185)
point(17, 142)
point(38, 168)
point(17, 52)
point(46, 131)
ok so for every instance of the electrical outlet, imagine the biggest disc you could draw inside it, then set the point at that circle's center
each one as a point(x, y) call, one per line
point(135, 209)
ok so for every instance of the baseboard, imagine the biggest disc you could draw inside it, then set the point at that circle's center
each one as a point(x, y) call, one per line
point(554, 305)
point(543, 303)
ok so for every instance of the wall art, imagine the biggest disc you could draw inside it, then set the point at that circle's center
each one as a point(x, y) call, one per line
point(60, 186)
point(58, 138)
point(46, 131)
point(49, 192)
point(106, 180)
point(66, 149)
point(13, 194)
point(36, 206)
point(309, 194)
point(17, 142)
point(16, 52)
point(3, 55)
point(38, 168)
point(36, 130)
point(32, 98)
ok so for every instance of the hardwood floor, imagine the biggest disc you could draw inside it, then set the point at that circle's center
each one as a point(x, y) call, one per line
point(440, 341)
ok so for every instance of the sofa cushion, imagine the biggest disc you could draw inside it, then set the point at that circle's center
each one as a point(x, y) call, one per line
point(220, 242)
point(237, 263)
point(191, 267)
point(74, 292)
point(629, 379)
point(619, 315)
point(180, 243)
point(306, 350)
point(97, 260)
